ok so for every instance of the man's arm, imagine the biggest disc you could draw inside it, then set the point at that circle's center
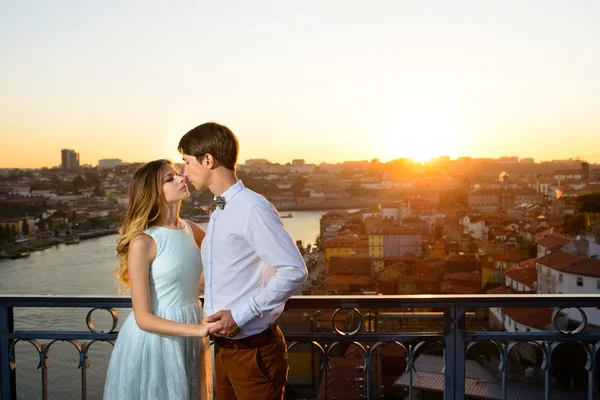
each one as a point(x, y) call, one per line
point(265, 233)
point(271, 242)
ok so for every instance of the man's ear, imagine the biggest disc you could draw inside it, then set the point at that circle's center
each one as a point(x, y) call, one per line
point(210, 161)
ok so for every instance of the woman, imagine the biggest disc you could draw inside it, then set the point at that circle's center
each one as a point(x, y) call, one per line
point(162, 351)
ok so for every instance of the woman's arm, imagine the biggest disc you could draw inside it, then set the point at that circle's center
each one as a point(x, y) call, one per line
point(198, 233)
point(198, 238)
point(142, 251)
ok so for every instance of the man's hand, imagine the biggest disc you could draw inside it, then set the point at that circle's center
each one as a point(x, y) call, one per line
point(224, 324)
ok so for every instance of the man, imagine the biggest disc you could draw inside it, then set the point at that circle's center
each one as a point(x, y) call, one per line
point(251, 267)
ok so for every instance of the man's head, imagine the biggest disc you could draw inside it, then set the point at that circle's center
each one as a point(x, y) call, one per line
point(204, 149)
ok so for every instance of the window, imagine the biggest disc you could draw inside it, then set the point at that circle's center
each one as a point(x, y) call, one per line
point(598, 284)
point(560, 277)
point(579, 281)
point(528, 330)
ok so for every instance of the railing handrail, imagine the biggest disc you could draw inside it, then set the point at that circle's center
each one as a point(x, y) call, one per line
point(343, 301)
point(454, 335)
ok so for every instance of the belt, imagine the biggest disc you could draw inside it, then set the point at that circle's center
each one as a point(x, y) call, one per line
point(250, 342)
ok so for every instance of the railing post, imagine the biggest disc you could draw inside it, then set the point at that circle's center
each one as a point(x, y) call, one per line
point(449, 353)
point(7, 376)
point(460, 355)
point(454, 352)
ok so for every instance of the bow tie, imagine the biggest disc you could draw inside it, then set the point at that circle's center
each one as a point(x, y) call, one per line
point(218, 202)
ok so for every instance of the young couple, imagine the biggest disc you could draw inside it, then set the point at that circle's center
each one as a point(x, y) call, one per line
point(251, 267)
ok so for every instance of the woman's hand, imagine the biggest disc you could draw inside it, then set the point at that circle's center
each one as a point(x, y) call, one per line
point(203, 330)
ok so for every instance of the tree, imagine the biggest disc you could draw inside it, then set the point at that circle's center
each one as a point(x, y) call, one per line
point(94, 222)
point(575, 224)
point(24, 228)
point(78, 183)
point(438, 232)
point(2, 235)
point(589, 203)
point(11, 233)
point(41, 224)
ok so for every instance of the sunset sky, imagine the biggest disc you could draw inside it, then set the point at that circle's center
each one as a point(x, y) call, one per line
point(321, 80)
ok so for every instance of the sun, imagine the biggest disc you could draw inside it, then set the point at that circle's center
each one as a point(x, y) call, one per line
point(421, 135)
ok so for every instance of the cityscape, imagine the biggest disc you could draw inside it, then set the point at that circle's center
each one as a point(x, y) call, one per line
point(467, 226)
point(434, 162)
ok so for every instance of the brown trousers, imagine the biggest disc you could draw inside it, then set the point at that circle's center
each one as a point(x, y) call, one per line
point(252, 371)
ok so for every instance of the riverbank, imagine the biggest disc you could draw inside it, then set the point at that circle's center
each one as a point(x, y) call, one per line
point(320, 208)
point(24, 247)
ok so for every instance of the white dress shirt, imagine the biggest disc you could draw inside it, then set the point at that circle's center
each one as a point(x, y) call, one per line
point(251, 264)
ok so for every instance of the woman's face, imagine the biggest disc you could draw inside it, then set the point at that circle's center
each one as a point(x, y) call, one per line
point(174, 187)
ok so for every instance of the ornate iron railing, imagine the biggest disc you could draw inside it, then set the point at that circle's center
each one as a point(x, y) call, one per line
point(454, 339)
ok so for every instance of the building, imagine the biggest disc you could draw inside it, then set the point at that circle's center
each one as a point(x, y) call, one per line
point(69, 160)
point(398, 241)
point(347, 284)
point(562, 272)
point(549, 243)
point(389, 211)
point(427, 379)
point(331, 222)
point(109, 163)
point(494, 200)
point(461, 263)
point(340, 245)
point(461, 283)
point(352, 264)
point(503, 261)
point(522, 278)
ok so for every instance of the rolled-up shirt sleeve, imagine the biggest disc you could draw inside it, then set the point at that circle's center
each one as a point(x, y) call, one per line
point(266, 235)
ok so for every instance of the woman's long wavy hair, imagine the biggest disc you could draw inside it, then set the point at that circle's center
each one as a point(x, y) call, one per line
point(143, 209)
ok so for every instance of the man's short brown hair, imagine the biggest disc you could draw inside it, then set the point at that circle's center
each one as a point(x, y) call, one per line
point(214, 139)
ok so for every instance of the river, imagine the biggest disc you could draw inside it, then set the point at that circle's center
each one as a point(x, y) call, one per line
point(82, 269)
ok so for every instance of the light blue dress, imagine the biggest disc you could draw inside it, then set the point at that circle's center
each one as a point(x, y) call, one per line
point(146, 365)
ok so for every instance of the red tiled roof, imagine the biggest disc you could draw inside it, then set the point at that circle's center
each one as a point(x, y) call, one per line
point(396, 268)
point(461, 258)
point(343, 241)
point(379, 228)
point(554, 241)
point(496, 192)
point(393, 230)
point(352, 264)
point(535, 317)
point(373, 210)
point(347, 280)
point(335, 214)
point(403, 257)
point(567, 172)
point(531, 263)
point(526, 276)
point(414, 279)
point(507, 290)
point(434, 262)
point(464, 276)
point(571, 264)
point(458, 289)
point(510, 256)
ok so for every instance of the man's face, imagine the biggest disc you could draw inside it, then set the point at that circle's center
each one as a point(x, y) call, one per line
point(196, 172)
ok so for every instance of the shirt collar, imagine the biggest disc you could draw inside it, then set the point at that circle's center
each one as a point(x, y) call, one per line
point(232, 191)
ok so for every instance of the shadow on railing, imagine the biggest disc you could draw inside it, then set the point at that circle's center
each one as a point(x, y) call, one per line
point(371, 347)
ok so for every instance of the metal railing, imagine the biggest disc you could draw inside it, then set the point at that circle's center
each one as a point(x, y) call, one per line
point(455, 339)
